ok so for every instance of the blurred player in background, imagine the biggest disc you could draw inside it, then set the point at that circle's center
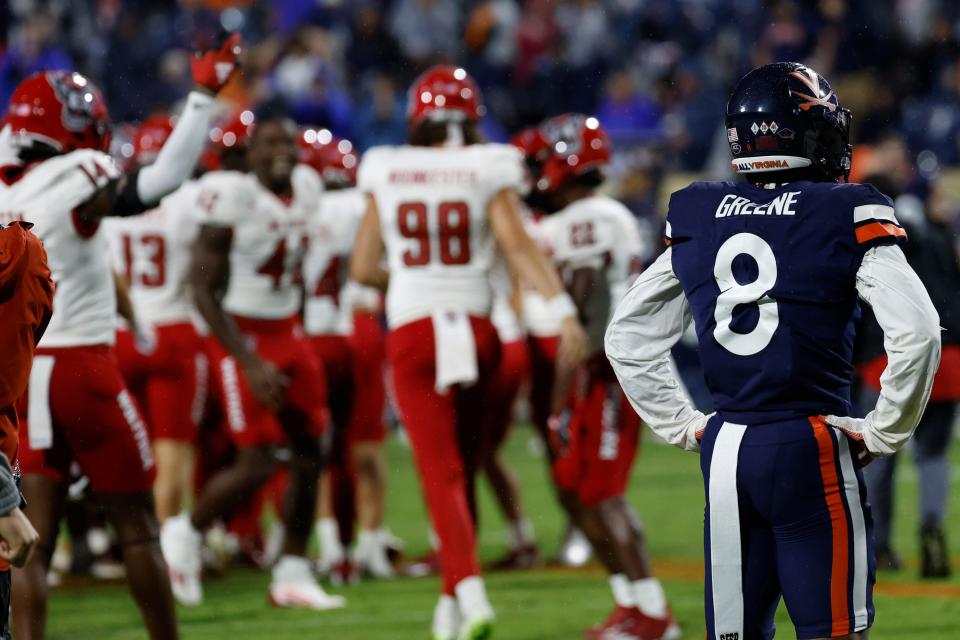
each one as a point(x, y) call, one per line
point(512, 371)
point(353, 484)
point(770, 270)
point(247, 281)
point(438, 208)
point(160, 353)
point(26, 304)
point(543, 328)
point(78, 406)
point(931, 253)
point(596, 246)
point(368, 433)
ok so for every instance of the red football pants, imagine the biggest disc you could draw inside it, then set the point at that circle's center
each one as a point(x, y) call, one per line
point(444, 430)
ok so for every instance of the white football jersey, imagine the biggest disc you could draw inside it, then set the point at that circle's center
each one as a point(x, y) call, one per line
point(327, 310)
point(538, 318)
point(85, 303)
point(151, 252)
point(599, 233)
point(433, 203)
point(270, 238)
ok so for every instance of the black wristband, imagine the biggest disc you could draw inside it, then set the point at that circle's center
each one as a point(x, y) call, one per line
point(126, 200)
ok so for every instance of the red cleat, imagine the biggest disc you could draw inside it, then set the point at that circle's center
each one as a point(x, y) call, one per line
point(344, 574)
point(638, 626)
point(618, 616)
point(426, 565)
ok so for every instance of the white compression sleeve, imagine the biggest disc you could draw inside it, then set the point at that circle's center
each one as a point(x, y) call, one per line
point(646, 324)
point(911, 338)
point(176, 159)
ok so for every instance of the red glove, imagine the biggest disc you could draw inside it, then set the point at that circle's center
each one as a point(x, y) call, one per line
point(212, 69)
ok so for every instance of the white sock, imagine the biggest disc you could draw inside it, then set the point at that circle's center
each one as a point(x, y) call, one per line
point(183, 520)
point(446, 617)
point(649, 597)
point(472, 596)
point(622, 593)
point(521, 533)
point(328, 535)
point(274, 544)
point(367, 541)
point(368, 538)
point(291, 569)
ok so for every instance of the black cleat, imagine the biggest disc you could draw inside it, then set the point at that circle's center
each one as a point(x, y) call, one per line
point(888, 560)
point(935, 560)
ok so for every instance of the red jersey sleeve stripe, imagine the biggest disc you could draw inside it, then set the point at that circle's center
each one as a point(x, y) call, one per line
point(874, 230)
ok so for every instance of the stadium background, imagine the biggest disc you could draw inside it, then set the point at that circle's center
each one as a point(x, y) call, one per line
point(656, 73)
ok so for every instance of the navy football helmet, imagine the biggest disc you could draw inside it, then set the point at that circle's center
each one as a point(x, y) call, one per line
point(785, 116)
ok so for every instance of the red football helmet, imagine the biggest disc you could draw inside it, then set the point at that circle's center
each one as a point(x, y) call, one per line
point(333, 158)
point(576, 144)
point(233, 133)
point(534, 146)
point(444, 93)
point(60, 109)
point(150, 137)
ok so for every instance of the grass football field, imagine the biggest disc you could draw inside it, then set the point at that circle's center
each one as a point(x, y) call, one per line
point(544, 604)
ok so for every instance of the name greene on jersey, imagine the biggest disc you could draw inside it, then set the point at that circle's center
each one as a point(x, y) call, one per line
point(771, 287)
point(734, 205)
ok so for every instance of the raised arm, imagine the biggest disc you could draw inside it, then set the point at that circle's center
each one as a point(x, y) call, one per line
point(368, 251)
point(142, 188)
point(534, 268)
point(911, 338)
point(646, 324)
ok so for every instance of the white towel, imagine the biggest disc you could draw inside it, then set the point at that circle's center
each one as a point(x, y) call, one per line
point(40, 427)
point(455, 348)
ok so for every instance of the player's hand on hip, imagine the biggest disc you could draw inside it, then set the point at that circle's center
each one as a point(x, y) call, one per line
point(18, 538)
point(573, 344)
point(213, 68)
point(853, 428)
point(267, 383)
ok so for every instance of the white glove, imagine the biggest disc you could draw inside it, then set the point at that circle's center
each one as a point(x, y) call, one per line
point(856, 429)
point(145, 338)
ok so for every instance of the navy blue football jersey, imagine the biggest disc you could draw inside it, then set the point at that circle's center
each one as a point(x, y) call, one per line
point(770, 276)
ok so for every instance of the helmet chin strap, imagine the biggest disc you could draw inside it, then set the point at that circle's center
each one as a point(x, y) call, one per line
point(454, 135)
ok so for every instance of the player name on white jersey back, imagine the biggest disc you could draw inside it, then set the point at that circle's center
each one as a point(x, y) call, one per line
point(327, 310)
point(151, 252)
point(598, 233)
point(270, 238)
point(432, 203)
point(84, 305)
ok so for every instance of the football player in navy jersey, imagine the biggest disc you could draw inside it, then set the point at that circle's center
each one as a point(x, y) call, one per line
point(771, 271)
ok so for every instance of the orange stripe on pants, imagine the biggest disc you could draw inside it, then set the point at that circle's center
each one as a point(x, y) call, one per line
point(840, 610)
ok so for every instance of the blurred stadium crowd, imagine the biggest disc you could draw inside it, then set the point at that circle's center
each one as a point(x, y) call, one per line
point(656, 72)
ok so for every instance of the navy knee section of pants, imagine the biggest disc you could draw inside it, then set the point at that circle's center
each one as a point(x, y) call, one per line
point(932, 437)
point(786, 516)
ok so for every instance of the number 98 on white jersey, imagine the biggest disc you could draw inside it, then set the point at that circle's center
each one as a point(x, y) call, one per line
point(432, 203)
